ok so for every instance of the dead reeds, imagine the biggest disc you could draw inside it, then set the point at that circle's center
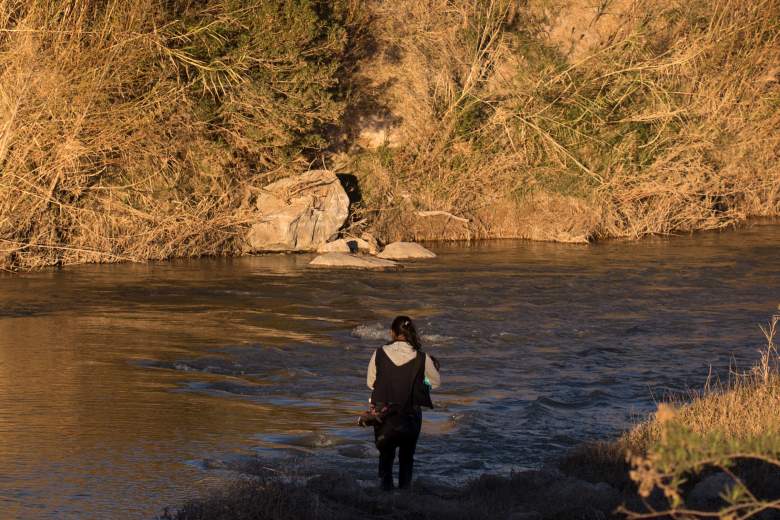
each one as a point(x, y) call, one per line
point(142, 130)
point(139, 130)
point(669, 123)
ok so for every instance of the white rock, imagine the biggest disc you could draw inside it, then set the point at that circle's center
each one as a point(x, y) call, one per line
point(404, 251)
point(299, 213)
point(348, 245)
point(337, 246)
point(352, 261)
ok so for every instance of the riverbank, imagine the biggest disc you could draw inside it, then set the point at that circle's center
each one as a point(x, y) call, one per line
point(714, 452)
point(526, 495)
point(148, 132)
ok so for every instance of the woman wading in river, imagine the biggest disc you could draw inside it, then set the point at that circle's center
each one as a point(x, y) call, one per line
point(401, 376)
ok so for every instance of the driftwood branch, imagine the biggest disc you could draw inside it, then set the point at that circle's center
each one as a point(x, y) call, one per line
point(444, 213)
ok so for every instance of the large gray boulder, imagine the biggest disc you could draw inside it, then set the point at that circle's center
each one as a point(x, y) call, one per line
point(348, 261)
point(299, 213)
point(405, 251)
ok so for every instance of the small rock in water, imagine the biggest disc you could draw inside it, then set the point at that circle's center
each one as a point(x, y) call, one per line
point(348, 261)
point(348, 245)
point(337, 246)
point(372, 242)
point(315, 440)
point(404, 251)
point(362, 246)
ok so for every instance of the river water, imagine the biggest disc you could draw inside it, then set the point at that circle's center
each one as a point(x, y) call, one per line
point(123, 387)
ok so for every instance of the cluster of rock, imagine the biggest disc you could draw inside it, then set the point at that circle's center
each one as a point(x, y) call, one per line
point(305, 213)
point(361, 254)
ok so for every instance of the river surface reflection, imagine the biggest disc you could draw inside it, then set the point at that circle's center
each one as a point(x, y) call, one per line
point(122, 385)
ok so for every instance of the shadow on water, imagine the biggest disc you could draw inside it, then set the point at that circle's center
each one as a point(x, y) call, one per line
point(119, 383)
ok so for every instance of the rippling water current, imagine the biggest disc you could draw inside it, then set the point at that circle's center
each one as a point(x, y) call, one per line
point(123, 387)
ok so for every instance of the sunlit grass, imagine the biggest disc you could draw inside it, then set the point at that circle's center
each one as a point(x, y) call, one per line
point(144, 130)
point(670, 124)
point(137, 130)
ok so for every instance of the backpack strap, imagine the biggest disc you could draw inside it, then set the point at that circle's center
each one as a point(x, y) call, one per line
point(419, 374)
point(420, 365)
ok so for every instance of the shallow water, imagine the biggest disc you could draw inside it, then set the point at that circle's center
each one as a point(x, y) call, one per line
point(123, 387)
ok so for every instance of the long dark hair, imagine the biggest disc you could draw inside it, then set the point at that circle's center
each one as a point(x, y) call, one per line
point(404, 330)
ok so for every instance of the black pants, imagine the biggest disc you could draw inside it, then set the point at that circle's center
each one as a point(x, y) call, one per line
point(406, 445)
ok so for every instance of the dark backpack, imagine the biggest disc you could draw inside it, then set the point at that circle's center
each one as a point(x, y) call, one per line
point(399, 421)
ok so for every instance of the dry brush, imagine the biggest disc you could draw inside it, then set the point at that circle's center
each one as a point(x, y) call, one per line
point(669, 122)
point(137, 130)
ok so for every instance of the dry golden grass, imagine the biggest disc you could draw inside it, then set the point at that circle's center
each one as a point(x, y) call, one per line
point(731, 427)
point(136, 130)
point(669, 122)
point(143, 130)
point(746, 407)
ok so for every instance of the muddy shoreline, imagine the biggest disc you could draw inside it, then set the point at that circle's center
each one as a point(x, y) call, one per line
point(564, 489)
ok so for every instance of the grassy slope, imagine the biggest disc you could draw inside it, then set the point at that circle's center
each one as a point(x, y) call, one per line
point(143, 130)
point(667, 122)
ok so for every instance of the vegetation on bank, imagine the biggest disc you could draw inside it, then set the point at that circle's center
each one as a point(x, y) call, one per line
point(733, 430)
point(716, 455)
point(669, 121)
point(141, 129)
point(134, 130)
point(725, 437)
